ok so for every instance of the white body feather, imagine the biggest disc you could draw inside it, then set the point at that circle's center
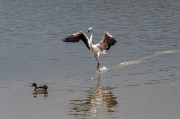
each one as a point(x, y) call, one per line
point(96, 51)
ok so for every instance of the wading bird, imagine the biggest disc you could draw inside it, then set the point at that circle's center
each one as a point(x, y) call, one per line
point(97, 49)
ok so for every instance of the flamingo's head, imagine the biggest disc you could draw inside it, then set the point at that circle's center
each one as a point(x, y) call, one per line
point(90, 29)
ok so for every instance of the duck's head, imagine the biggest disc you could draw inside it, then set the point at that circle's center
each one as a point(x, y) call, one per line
point(90, 29)
point(34, 84)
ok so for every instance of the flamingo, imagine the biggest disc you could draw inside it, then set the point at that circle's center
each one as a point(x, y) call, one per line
point(97, 49)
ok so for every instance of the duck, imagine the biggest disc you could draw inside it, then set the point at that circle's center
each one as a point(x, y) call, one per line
point(40, 88)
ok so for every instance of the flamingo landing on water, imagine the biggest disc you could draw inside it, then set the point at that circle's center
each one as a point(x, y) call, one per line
point(97, 49)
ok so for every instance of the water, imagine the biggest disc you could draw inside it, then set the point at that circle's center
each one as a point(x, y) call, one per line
point(140, 74)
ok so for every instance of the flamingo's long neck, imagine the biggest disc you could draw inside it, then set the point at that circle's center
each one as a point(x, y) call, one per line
point(90, 40)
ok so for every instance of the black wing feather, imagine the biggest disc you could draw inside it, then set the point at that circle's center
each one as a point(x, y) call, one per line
point(108, 39)
point(76, 37)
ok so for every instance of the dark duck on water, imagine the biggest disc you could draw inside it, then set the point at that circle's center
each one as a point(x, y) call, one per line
point(40, 88)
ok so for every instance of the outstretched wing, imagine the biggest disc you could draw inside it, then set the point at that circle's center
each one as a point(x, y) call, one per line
point(107, 41)
point(78, 36)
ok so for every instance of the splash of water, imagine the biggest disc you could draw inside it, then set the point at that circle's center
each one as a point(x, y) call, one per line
point(143, 59)
point(103, 68)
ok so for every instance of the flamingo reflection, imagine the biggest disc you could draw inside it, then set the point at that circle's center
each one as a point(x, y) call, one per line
point(99, 98)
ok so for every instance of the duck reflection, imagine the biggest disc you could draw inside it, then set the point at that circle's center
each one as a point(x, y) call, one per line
point(45, 93)
point(99, 98)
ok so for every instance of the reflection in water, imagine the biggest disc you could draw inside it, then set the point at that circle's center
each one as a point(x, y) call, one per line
point(98, 98)
point(35, 93)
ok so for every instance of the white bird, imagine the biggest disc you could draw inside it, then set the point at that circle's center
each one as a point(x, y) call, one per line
point(97, 49)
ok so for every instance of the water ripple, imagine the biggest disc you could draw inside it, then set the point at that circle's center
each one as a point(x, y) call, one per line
point(143, 59)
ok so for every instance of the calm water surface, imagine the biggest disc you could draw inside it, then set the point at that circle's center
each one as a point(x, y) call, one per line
point(142, 75)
